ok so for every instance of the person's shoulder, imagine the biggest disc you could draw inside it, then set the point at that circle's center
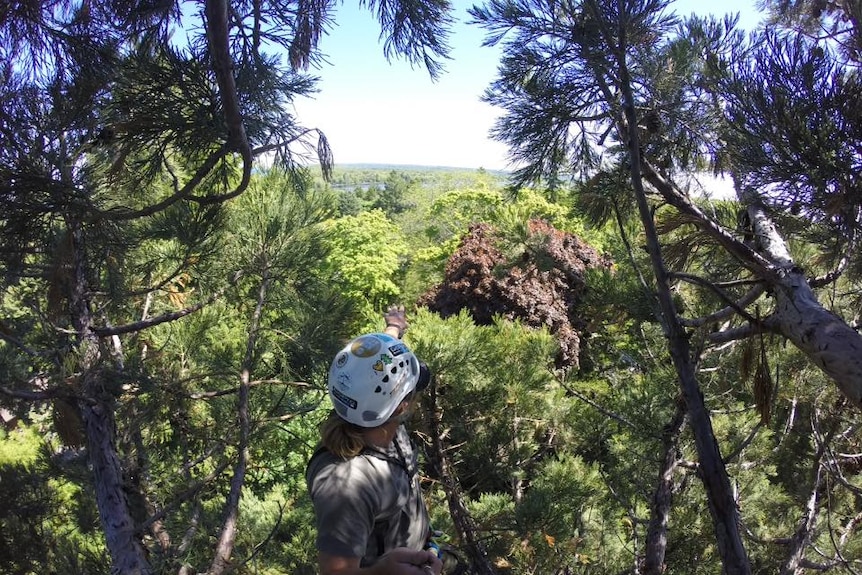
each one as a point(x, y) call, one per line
point(325, 463)
point(356, 479)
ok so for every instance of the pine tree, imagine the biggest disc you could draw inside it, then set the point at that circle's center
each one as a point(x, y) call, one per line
point(122, 142)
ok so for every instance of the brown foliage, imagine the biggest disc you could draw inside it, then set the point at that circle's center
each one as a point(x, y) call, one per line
point(543, 286)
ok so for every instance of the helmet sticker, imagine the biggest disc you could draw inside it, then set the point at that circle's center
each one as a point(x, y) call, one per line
point(348, 401)
point(341, 359)
point(370, 416)
point(343, 381)
point(397, 349)
point(365, 346)
point(381, 363)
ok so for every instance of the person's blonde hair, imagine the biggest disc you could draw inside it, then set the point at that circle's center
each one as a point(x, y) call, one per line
point(341, 437)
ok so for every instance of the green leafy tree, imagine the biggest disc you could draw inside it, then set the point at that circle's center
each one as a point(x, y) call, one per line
point(392, 198)
point(349, 203)
point(366, 254)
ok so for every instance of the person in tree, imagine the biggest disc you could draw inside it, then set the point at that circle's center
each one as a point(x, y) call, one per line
point(363, 478)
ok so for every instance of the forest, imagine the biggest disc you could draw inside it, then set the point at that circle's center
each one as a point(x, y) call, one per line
point(632, 372)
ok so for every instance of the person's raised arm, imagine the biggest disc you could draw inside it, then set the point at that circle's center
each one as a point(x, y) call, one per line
point(396, 321)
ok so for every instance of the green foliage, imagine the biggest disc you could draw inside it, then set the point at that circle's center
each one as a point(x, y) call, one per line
point(25, 497)
point(391, 199)
point(566, 521)
point(46, 520)
point(503, 407)
point(455, 211)
point(20, 447)
point(558, 472)
point(366, 254)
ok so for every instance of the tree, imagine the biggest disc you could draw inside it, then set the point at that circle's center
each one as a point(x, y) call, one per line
point(120, 150)
point(391, 199)
point(613, 92)
point(548, 95)
point(366, 253)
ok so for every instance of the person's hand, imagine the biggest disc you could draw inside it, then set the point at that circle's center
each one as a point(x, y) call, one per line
point(405, 561)
point(396, 318)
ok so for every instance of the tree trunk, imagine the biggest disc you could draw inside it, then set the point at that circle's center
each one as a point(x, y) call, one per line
point(712, 471)
point(823, 337)
point(128, 555)
point(826, 339)
point(461, 518)
point(656, 538)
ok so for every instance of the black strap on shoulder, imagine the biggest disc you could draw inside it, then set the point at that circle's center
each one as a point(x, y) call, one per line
point(320, 450)
point(371, 452)
point(400, 461)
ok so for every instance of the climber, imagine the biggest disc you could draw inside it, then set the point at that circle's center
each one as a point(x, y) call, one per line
point(363, 478)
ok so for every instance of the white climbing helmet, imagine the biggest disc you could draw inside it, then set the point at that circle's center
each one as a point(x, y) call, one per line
point(370, 377)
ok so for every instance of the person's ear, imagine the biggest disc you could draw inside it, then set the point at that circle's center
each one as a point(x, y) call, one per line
point(402, 407)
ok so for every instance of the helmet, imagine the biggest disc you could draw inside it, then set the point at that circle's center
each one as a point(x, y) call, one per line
point(370, 377)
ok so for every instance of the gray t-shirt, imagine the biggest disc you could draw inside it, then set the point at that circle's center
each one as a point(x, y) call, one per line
point(368, 504)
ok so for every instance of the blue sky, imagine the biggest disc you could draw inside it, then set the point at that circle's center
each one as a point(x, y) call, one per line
point(374, 111)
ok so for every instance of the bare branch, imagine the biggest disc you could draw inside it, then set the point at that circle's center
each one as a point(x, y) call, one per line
point(745, 443)
point(832, 276)
point(232, 390)
point(19, 344)
point(607, 413)
point(734, 306)
point(746, 255)
point(186, 495)
point(120, 214)
point(45, 395)
point(735, 334)
point(259, 547)
point(164, 318)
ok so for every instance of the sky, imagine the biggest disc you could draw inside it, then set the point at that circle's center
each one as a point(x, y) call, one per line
point(378, 112)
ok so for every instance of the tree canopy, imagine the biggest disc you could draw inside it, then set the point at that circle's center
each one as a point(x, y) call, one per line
point(613, 387)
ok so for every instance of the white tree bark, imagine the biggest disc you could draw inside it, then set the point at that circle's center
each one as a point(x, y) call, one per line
point(826, 339)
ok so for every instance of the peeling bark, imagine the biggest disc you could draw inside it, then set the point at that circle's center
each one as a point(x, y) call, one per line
point(826, 339)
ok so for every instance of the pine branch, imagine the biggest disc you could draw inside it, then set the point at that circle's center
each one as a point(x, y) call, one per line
point(216, 15)
point(124, 214)
point(734, 306)
point(164, 318)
